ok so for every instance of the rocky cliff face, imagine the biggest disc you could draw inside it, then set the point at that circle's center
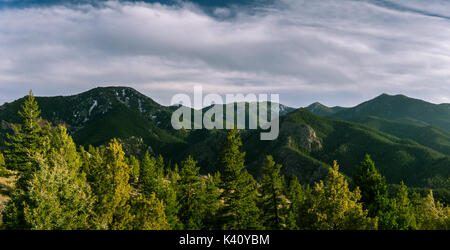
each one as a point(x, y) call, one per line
point(302, 137)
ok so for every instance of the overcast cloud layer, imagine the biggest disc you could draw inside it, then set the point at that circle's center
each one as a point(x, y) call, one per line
point(336, 52)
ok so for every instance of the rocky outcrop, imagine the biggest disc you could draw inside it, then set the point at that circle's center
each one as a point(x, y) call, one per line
point(301, 136)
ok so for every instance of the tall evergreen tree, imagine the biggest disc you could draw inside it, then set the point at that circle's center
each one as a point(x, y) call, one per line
point(57, 197)
point(432, 215)
point(148, 213)
point(171, 205)
point(335, 207)
point(403, 210)
point(135, 167)
point(151, 176)
point(152, 179)
point(374, 192)
point(29, 137)
point(198, 196)
point(191, 195)
point(113, 188)
point(160, 166)
point(273, 199)
point(170, 199)
point(92, 165)
point(212, 201)
point(239, 210)
point(296, 195)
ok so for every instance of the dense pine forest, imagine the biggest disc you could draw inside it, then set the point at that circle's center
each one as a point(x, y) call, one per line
point(59, 185)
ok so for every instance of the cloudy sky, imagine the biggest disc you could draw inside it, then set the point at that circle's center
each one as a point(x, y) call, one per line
point(338, 52)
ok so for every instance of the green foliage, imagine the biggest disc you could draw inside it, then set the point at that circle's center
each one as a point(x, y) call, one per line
point(432, 215)
point(57, 197)
point(296, 196)
point(29, 138)
point(273, 200)
point(398, 159)
point(401, 107)
point(429, 136)
point(112, 188)
point(239, 210)
point(148, 213)
point(374, 192)
point(3, 171)
point(212, 201)
point(151, 175)
point(92, 162)
point(401, 152)
point(197, 197)
point(403, 210)
point(190, 190)
point(61, 188)
point(171, 202)
point(135, 167)
point(372, 185)
point(171, 205)
point(334, 207)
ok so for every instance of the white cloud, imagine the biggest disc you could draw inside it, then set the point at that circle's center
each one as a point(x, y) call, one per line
point(337, 53)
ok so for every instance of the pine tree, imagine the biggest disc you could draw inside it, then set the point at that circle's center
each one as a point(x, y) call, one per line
point(148, 213)
point(198, 196)
point(135, 167)
point(151, 177)
point(92, 165)
point(170, 199)
point(160, 166)
point(374, 192)
point(171, 206)
point(57, 197)
point(61, 143)
point(212, 201)
point(403, 210)
point(152, 180)
point(173, 175)
point(335, 207)
point(191, 195)
point(113, 188)
point(239, 196)
point(273, 199)
point(372, 185)
point(296, 195)
point(29, 137)
point(432, 215)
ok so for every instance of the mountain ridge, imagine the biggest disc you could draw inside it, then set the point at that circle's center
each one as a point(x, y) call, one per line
point(307, 144)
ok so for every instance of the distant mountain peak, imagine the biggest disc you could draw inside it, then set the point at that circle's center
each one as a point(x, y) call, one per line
point(322, 110)
point(317, 104)
point(396, 96)
point(114, 90)
point(400, 107)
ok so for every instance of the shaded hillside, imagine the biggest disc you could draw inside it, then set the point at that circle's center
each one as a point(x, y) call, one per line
point(96, 116)
point(401, 108)
point(306, 146)
point(430, 136)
